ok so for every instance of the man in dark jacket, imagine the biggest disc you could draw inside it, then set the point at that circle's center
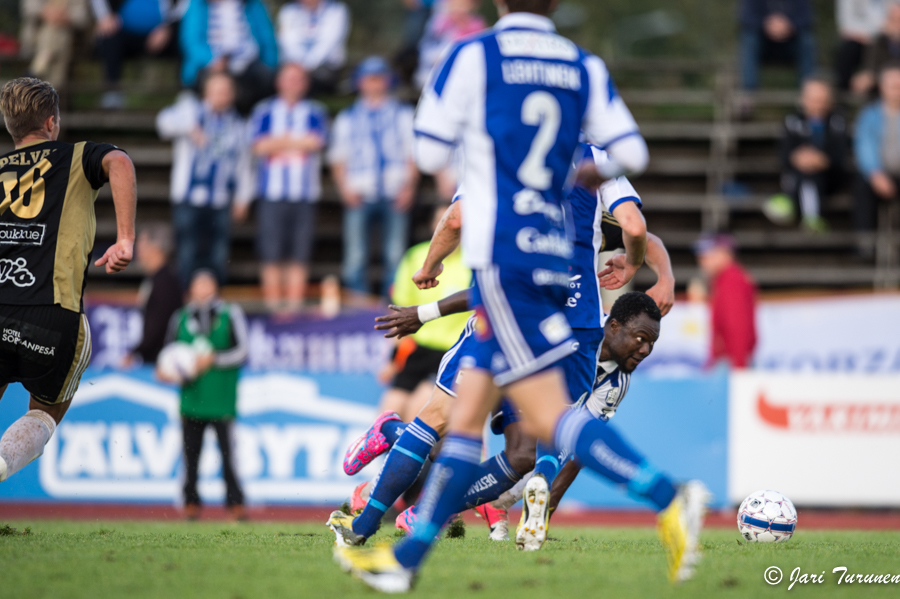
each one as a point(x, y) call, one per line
point(776, 30)
point(813, 154)
point(160, 294)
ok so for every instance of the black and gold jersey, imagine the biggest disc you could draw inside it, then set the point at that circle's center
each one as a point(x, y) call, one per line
point(612, 233)
point(47, 221)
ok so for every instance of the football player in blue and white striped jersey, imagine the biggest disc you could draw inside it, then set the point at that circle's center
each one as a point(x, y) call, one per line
point(516, 98)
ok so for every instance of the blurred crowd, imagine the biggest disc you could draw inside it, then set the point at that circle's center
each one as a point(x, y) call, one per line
point(817, 144)
point(248, 128)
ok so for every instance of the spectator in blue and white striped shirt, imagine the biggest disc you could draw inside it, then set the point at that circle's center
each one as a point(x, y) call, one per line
point(371, 161)
point(233, 36)
point(314, 33)
point(211, 169)
point(288, 133)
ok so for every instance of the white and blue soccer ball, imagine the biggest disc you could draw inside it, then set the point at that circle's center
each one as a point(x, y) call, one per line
point(177, 362)
point(767, 517)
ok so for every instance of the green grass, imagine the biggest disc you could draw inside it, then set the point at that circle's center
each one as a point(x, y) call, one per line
point(63, 560)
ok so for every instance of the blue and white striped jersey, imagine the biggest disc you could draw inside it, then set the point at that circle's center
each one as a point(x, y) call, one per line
point(375, 145)
point(292, 176)
point(517, 98)
point(583, 308)
point(216, 172)
point(228, 34)
point(609, 389)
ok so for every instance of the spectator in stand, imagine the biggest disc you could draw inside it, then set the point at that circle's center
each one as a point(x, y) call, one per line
point(313, 33)
point(129, 28)
point(288, 134)
point(160, 295)
point(211, 398)
point(452, 20)
point(859, 22)
point(230, 36)
point(372, 163)
point(49, 28)
point(776, 30)
point(813, 154)
point(877, 149)
point(212, 170)
point(732, 301)
point(885, 49)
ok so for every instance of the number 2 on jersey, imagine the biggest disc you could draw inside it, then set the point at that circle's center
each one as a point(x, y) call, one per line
point(32, 180)
point(541, 109)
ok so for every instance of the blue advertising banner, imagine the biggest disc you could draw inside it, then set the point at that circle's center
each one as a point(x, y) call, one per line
point(121, 440)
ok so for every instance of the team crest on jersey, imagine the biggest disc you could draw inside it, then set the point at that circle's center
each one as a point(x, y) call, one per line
point(482, 326)
point(16, 271)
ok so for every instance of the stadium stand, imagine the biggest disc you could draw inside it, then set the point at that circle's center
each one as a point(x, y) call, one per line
point(710, 171)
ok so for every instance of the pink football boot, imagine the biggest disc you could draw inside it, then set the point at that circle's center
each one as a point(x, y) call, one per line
point(369, 446)
point(406, 520)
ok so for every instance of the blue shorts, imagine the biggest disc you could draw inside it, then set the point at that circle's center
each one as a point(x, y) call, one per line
point(522, 329)
point(578, 368)
point(450, 363)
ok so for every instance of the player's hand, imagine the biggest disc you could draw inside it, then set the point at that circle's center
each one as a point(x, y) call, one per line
point(198, 137)
point(663, 293)
point(117, 257)
point(425, 279)
point(352, 199)
point(587, 176)
point(402, 321)
point(617, 274)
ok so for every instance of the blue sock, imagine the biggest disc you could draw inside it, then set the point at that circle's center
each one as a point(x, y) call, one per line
point(403, 465)
point(600, 448)
point(392, 429)
point(494, 477)
point(548, 462)
point(450, 478)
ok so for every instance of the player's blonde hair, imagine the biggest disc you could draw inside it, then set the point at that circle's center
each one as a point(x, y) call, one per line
point(26, 103)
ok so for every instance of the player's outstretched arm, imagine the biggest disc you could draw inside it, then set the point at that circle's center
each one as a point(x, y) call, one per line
point(443, 242)
point(663, 293)
point(634, 238)
point(403, 321)
point(119, 169)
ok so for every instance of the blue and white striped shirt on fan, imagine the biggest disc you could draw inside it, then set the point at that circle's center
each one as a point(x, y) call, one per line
point(290, 176)
point(228, 34)
point(376, 146)
point(216, 172)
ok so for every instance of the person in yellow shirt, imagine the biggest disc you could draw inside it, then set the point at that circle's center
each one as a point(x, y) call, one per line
point(418, 357)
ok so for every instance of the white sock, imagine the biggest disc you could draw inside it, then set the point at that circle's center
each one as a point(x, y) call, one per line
point(511, 497)
point(24, 441)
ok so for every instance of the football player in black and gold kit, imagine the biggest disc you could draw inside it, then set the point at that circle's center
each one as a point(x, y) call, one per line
point(47, 224)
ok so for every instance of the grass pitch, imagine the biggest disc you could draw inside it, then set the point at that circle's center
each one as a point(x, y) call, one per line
point(121, 560)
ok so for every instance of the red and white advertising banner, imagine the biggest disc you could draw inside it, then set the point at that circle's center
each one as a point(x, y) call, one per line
point(820, 439)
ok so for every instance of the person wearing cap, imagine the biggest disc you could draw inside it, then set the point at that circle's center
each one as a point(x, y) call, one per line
point(732, 301)
point(210, 399)
point(372, 163)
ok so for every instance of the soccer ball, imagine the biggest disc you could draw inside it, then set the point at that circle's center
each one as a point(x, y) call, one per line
point(177, 362)
point(767, 517)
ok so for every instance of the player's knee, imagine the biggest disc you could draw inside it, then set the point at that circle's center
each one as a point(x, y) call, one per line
point(521, 461)
point(55, 411)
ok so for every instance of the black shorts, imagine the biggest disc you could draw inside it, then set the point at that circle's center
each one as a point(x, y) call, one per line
point(46, 348)
point(421, 365)
point(285, 231)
